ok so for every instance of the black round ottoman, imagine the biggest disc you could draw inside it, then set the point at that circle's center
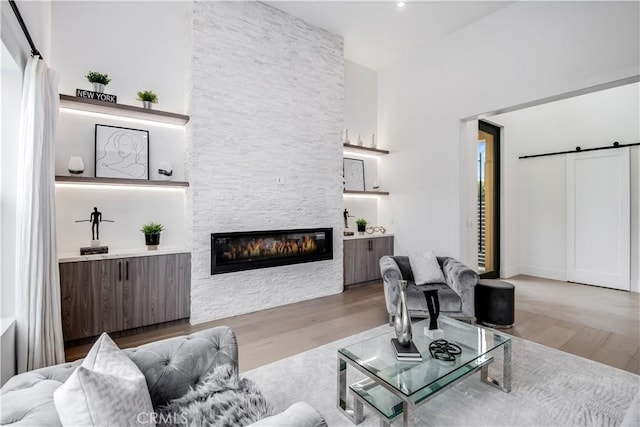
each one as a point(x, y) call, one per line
point(494, 302)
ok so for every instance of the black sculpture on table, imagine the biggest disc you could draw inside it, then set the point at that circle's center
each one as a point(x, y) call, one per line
point(95, 218)
point(346, 216)
point(433, 305)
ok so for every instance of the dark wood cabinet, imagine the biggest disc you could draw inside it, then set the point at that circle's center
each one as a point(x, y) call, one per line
point(362, 256)
point(123, 293)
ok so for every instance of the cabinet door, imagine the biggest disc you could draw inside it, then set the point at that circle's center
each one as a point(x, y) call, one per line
point(111, 282)
point(380, 247)
point(156, 289)
point(136, 297)
point(362, 258)
point(356, 253)
point(81, 299)
point(174, 276)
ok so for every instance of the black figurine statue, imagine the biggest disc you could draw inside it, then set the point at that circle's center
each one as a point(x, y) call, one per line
point(96, 219)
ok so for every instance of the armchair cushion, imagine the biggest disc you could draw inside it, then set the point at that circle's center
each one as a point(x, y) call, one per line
point(425, 268)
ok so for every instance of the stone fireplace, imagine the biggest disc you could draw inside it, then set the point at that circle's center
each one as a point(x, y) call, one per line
point(262, 249)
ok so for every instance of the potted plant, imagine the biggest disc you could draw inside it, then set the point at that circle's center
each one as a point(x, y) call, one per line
point(147, 97)
point(152, 234)
point(98, 80)
point(362, 225)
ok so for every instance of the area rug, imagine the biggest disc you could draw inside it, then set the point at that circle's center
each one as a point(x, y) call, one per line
point(549, 388)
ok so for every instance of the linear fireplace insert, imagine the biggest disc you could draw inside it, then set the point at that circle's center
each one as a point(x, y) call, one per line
point(261, 249)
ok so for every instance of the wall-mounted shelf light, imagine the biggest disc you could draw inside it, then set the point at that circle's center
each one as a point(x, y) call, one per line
point(93, 107)
point(352, 193)
point(80, 181)
point(362, 150)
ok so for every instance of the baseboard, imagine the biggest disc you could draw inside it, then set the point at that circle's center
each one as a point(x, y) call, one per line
point(545, 273)
point(634, 286)
point(507, 272)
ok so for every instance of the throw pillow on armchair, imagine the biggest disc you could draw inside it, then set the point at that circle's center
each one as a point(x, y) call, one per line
point(425, 268)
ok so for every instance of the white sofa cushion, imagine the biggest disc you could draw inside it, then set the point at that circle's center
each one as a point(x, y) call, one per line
point(107, 389)
point(425, 268)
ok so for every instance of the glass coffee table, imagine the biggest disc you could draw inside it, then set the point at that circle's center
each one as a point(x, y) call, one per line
point(392, 388)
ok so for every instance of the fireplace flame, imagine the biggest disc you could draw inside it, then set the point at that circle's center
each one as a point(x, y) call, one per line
point(256, 248)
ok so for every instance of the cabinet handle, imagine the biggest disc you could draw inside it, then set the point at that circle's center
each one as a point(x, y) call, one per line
point(370, 245)
point(126, 277)
point(119, 271)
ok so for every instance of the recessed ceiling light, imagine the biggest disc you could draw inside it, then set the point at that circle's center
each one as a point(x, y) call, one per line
point(401, 4)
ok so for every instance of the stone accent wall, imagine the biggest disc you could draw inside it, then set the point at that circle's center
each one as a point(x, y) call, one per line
point(267, 106)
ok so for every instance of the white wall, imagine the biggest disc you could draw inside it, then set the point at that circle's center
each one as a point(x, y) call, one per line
point(267, 103)
point(538, 246)
point(136, 57)
point(360, 101)
point(11, 88)
point(522, 53)
point(139, 44)
point(361, 118)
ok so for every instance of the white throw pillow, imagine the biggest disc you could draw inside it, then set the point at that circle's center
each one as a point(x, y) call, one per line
point(425, 268)
point(107, 389)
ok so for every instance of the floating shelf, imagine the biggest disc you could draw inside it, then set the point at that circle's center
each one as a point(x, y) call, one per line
point(366, 150)
point(119, 181)
point(371, 193)
point(95, 106)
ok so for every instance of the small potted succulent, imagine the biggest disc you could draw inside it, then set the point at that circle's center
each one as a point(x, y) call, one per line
point(147, 97)
point(362, 225)
point(98, 80)
point(152, 234)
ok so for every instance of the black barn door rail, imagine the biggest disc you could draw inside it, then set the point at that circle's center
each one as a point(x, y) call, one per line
point(581, 150)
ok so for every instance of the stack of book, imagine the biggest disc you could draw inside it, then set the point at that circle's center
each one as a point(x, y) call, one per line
point(405, 354)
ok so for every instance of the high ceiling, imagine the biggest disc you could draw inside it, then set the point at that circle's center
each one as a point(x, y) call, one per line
point(377, 33)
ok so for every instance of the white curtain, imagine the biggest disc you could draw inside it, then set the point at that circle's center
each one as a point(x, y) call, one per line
point(39, 324)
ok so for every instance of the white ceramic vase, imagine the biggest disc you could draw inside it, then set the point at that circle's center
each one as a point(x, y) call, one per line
point(75, 166)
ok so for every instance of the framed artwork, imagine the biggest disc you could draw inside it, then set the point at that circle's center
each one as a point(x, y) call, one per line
point(122, 152)
point(353, 173)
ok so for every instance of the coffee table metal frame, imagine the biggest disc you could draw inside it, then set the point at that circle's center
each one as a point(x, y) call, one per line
point(410, 402)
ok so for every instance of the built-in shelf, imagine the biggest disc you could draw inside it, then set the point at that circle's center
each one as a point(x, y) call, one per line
point(119, 181)
point(372, 193)
point(365, 150)
point(95, 106)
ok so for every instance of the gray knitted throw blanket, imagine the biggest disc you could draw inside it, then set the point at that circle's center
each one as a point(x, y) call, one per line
point(221, 399)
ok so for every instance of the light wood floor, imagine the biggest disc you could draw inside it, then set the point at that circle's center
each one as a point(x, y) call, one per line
point(595, 323)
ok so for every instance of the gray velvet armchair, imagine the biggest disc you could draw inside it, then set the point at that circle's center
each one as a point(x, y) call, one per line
point(171, 367)
point(456, 296)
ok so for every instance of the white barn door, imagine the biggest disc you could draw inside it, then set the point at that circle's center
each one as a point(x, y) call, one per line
point(598, 218)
